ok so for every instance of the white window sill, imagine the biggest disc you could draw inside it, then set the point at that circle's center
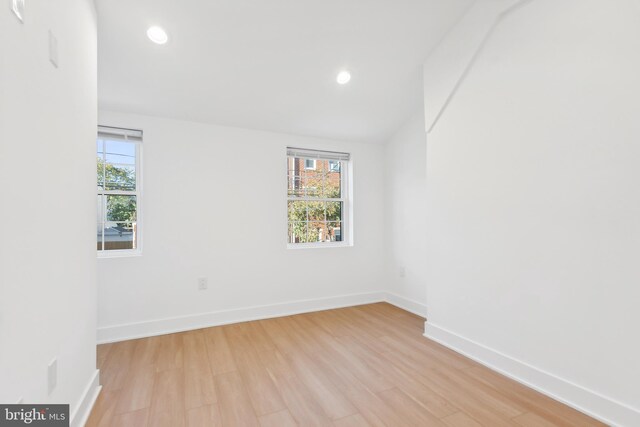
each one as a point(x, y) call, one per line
point(120, 253)
point(319, 245)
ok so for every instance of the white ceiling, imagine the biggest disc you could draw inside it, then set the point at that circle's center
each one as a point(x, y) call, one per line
point(271, 64)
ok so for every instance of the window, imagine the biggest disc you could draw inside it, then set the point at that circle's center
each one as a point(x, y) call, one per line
point(317, 198)
point(118, 179)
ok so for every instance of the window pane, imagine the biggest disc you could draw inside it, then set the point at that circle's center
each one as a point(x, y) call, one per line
point(298, 232)
point(315, 211)
point(334, 211)
point(312, 181)
point(100, 171)
point(311, 221)
point(316, 231)
point(335, 231)
point(121, 209)
point(297, 211)
point(120, 152)
point(332, 182)
point(294, 185)
point(120, 235)
point(120, 177)
point(324, 180)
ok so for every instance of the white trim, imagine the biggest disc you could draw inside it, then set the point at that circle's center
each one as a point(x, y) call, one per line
point(223, 317)
point(119, 134)
point(170, 325)
point(87, 400)
point(319, 245)
point(596, 405)
point(407, 304)
point(119, 253)
point(308, 153)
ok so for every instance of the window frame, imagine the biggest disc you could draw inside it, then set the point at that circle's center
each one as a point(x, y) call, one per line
point(137, 251)
point(346, 221)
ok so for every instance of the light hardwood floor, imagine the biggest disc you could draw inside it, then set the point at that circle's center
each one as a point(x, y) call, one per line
point(359, 366)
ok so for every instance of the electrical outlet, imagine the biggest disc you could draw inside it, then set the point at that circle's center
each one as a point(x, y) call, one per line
point(202, 283)
point(52, 375)
point(17, 6)
point(402, 271)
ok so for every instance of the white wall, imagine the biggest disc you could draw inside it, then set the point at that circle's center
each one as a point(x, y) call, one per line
point(405, 234)
point(215, 206)
point(533, 205)
point(47, 203)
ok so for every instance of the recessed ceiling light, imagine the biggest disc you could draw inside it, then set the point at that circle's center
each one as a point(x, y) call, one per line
point(157, 35)
point(343, 77)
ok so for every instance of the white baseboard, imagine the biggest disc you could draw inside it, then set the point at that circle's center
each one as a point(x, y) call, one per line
point(83, 409)
point(587, 401)
point(204, 320)
point(406, 304)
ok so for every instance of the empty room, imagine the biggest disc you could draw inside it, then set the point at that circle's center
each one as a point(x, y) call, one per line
point(320, 213)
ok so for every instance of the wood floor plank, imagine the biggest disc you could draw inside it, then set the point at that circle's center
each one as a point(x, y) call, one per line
point(198, 379)
point(234, 401)
point(137, 418)
point(299, 400)
point(330, 323)
point(278, 419)
point(258, 336)
point(369, 405)
point(170, 352)
point(356, 420)
point(104, 409)
point(102, 352)
point(218, 351)
point(301, 338)
point(503, 404)
point(167, 404)
point(260, 386)
point(535, 402)
point(333, 402)
point(409, 321)
point(326, 343)
point(115, 369)
point(412, 413)
point(356, 366)
point(430, 400)
point(532, 420)
point(137, 388)
point(469, 402)
point(137, 392)
point(372, 312)
point(460, 419)
point(279, 336)
point(204, 416)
